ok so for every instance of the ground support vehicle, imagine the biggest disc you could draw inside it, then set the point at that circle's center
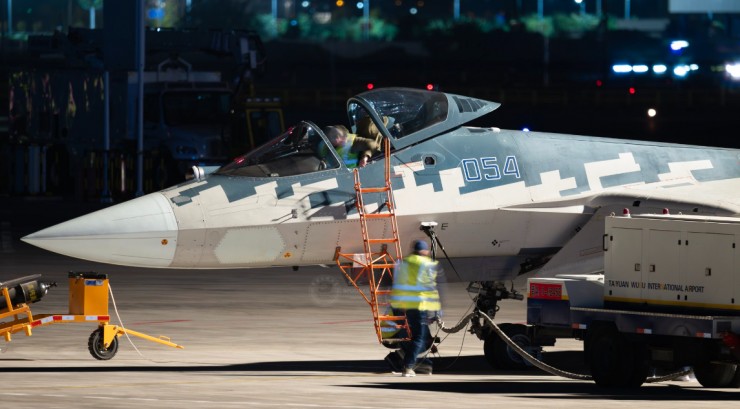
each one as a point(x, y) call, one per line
point(666, 301)
point(88, 303)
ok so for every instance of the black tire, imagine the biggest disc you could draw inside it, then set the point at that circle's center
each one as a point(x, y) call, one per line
point(715, 375)
point(616, 362)
point(96, 348)
point(391, 345)
point(735, 383)
point(500, 355)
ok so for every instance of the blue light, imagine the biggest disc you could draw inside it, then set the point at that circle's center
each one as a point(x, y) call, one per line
point(621, 68)
point(659, 69)
point(293, 23)
point(640, 68)
point(155, 14)
point(525, 129)
point(681, 70)
point(305, 4)
point(360, 5)
point(413, 11)
point(733, 70)
point(678, 45)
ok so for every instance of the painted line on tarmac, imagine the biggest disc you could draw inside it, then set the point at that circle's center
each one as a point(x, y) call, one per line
point(190, 402)
point(343, 322)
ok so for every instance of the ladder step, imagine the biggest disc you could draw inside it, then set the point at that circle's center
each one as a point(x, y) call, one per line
point(384, 265)
point(391, 317)
point(373, 189)
point(376, 241)
point(378, 215)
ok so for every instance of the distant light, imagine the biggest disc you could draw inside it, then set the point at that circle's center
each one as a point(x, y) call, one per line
point(370, 85)
point(579, 1)
point(681, 70)
point(293, 22)
point(652, 112)
point(339, 3)
point(154, 14)
point(641, 68)
point(632, 90)
point(430, 87)
point(694, 67)
point(322, 17)
point(599, 83)
point(360, 5)
point(659, 69)
point(305, 4)
point(525, 129)
point(733, 70)
point(677, 45)
point(622, 68)
point(413, 10)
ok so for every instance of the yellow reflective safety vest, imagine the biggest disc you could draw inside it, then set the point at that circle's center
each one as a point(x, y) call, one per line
point(345, 152)
point(415, 284)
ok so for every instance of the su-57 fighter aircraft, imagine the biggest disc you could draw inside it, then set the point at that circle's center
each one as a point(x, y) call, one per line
point(504, 202)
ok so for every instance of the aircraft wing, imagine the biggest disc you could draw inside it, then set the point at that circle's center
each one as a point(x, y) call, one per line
point(583, 253)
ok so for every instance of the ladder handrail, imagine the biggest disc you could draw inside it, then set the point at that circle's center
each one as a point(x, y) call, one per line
point(376, 260)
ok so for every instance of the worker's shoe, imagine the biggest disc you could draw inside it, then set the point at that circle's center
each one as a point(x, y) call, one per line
point(395, 361)
point(408, 372)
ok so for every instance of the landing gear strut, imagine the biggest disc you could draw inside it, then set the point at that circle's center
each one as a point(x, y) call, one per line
point(498, 353)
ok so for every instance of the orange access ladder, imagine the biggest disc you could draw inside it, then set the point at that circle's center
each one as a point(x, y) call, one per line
point(374, 267)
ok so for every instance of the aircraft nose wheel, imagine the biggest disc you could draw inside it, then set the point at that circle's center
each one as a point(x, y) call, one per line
point(96, 348)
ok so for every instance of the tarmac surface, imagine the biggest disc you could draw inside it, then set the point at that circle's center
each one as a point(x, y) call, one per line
point(264, 338)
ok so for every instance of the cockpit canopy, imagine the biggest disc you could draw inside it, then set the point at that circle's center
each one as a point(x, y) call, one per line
point(404, 116)
point(409, 116)
point(302, 149)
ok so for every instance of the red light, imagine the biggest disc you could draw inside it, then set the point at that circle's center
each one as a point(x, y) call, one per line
point(599, 83)
point(430, 87)
point(632, 90)
point(666, 211)
point(626, 212)
point(370, 85)
point(731, 340)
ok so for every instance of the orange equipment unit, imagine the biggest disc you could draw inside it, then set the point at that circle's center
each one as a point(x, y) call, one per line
point(88, 294)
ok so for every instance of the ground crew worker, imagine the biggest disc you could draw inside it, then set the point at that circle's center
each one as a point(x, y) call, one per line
point(415, 293)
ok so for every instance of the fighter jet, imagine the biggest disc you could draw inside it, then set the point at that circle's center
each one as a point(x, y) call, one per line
point(505, 203)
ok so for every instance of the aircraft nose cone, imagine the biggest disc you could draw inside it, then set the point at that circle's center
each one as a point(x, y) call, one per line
point(140, 232)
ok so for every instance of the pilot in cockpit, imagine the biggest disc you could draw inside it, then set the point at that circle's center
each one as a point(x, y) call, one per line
point(353, 149)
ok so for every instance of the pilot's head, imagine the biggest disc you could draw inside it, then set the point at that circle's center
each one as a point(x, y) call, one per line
point(337, 135)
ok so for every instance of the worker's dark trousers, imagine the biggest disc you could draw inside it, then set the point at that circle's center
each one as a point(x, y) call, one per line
point(419, 326)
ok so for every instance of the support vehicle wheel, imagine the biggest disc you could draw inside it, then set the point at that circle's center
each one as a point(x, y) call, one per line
point(96, 348)
point(499, 355)
point(715, 375)
point(735, 383)
point(616, 362)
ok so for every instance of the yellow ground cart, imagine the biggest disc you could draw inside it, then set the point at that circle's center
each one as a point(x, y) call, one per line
point(88, 303)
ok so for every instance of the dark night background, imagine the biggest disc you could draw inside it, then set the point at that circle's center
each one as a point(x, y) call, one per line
point(550, 62)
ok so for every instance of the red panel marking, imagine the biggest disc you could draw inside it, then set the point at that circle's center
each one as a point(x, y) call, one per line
point(544, 291)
